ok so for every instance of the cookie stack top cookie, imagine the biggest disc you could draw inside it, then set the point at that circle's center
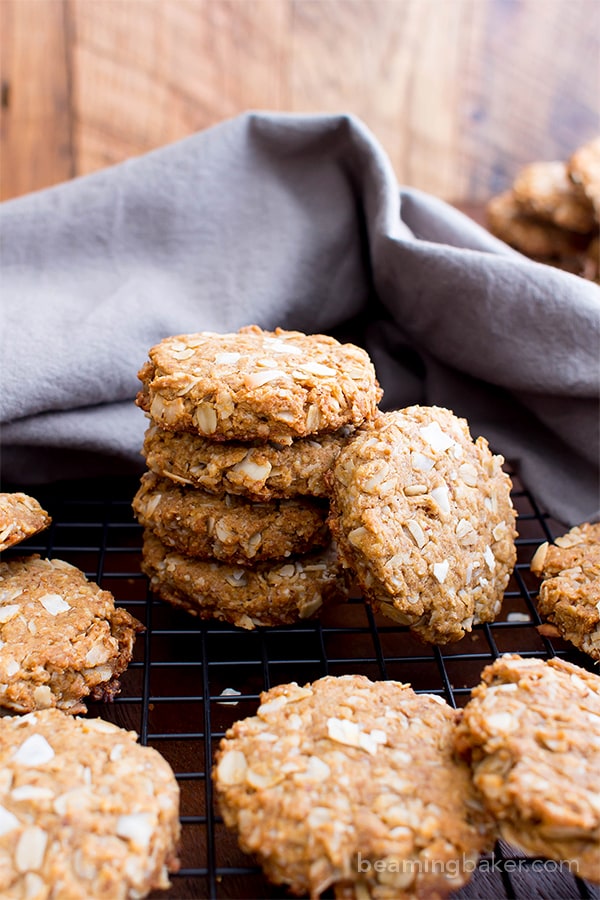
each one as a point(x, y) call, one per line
point(254, 384)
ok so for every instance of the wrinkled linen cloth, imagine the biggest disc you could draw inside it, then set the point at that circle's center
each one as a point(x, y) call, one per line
point(291, 221)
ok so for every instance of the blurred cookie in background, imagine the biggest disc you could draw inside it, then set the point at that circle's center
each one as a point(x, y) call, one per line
point(551, 212)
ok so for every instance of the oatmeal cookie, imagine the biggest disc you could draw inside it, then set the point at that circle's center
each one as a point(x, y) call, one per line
point(351, 783)
point(61, 637)
point(259, 470)
point(85, 811)
point(569, 594)
point(545, 191)
point(266, 385)
point(422, 514)
point(541, 240)
point(267, 594)
point(229, 528)
point(584, 171)
point(21, 517)
point(531, 732)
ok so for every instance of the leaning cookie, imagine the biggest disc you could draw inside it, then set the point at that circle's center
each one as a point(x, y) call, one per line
point(422, 515)
point(61, 637)
point(21, 516)
point(266, 385)
point(259, 470)
point(269, 593)
point(352, 784)
point(229, 528)
point(569, 595)
point(531, 733)
point(85, 811)
point(545, 191)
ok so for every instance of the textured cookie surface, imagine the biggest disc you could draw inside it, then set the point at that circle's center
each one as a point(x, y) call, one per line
point(266, 594)
point(532, 734)
point(61, 637)
point(259, 470)
point(21, 516)
point(351, 783)
point(85, 811)
point(569, 595)
point(257, 384)
point(227, 527)
point(422, 514)
point(544, 189)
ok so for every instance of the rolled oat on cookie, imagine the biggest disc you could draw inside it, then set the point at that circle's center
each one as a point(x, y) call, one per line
point(422, 515)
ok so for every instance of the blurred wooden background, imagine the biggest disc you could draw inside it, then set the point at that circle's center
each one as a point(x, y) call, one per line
point(459, 92)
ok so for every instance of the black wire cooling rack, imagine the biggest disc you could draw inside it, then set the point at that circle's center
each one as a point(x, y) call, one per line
point(177, 692)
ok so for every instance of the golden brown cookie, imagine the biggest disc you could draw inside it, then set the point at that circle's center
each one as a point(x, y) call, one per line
point(61, 637)
point(268, 593)
point(254, 384)
point(21, 516)
point(259, 470)
point(569, 594)
point(85, 811)
point(545, 191)
point(531, 732)
point(227, 527)
point(540, 240)
point(353, 784)
point(584, 171)
point(422, 515)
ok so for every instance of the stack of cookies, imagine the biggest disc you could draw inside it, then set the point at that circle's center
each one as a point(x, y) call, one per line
point(244, 428)
point(552, 210)
point(62, 638)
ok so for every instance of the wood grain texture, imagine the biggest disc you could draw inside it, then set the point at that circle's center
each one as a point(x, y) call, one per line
point(461, 93)
point(36, 147)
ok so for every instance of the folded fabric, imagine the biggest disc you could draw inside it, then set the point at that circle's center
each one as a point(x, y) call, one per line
point(295, 221)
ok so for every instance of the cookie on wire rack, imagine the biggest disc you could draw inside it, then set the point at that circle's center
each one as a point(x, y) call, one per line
point(260, 470)
point(279, 592)
point(531, 732)
point(422, 515)
point(61, 637)
point(229, 528)
point(352, 784)
point(569, 595)
point(85, 811)
point(21, 516)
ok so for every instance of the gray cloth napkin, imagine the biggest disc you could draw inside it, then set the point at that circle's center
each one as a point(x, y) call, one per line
point(294, 221)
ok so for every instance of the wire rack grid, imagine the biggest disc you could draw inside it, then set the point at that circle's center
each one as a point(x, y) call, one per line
point(177, 692)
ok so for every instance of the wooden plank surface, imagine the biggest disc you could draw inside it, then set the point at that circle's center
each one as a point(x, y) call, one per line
point(459, 92)
point(36, 147)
